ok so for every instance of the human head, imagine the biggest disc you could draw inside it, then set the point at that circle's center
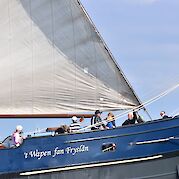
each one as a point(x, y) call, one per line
point(111, 115)
point(162, 113)
point(82, 119)
point(74, 119)
point(130, 115)
point(97, 113)
point(19, 128)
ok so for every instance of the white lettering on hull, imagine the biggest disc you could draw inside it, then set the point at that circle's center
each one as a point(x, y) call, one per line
point(55, 152)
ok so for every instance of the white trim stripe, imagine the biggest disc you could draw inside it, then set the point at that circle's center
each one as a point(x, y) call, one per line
point(154, 141)
point(90, 165)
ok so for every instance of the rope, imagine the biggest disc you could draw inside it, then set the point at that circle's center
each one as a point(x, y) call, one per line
point(36, 132)
point(175, 112)
point(163, 94)
point(150, 101)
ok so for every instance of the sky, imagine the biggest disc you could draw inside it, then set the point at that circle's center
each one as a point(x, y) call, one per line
point(143, 36)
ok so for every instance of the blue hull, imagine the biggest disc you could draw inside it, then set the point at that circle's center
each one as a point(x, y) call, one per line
point(165, 168)
point(135, 143)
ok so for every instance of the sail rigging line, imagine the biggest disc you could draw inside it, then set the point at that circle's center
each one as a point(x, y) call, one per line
point(10, 49)
point(154, 99)
point(32, 55)
point(163, 94)
point(37, 131)
point(75, 53)
point(53, 52)
point(175, 112)
point(96, 62)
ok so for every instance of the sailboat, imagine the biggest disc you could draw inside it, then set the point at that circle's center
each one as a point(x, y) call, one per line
point(54, 63)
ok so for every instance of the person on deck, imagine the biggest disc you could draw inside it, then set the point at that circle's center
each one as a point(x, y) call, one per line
point(111, 122)
point(163, 115)
point(17, 137)
point(130, 119)
point(97, 119)
point(75, 126)
point(62, 129)
point(133, 117)
point(137, 117)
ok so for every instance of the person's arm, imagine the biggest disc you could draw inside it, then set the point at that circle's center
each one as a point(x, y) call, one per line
point(140, 120)
point(126, 122)
point(79, 126)
point(114, 123)
point(92, 120)
point(135, 115)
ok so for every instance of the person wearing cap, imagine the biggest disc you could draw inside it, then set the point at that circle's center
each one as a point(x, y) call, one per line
point(17, 137)
point(97, 119)
point(75, 126)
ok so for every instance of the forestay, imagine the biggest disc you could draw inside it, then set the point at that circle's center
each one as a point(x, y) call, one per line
point(53, 60)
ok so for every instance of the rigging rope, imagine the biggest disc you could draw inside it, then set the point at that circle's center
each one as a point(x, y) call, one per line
point(37, 131)
point(175, 112)
point(156, 98)
point(141, 106)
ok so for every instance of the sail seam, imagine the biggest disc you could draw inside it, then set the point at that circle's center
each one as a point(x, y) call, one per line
point(53, 54)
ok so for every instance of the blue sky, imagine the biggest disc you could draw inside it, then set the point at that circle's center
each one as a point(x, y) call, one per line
point(143, 35)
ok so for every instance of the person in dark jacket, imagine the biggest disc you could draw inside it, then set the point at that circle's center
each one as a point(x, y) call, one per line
point(130, 119)
point(97, 119)
point(137, 117)
point(133, 117)
point(62, 129)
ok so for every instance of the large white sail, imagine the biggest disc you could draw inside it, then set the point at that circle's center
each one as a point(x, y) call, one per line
point(52, 60)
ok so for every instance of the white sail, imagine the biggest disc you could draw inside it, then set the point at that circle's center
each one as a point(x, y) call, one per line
point(52, 60)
